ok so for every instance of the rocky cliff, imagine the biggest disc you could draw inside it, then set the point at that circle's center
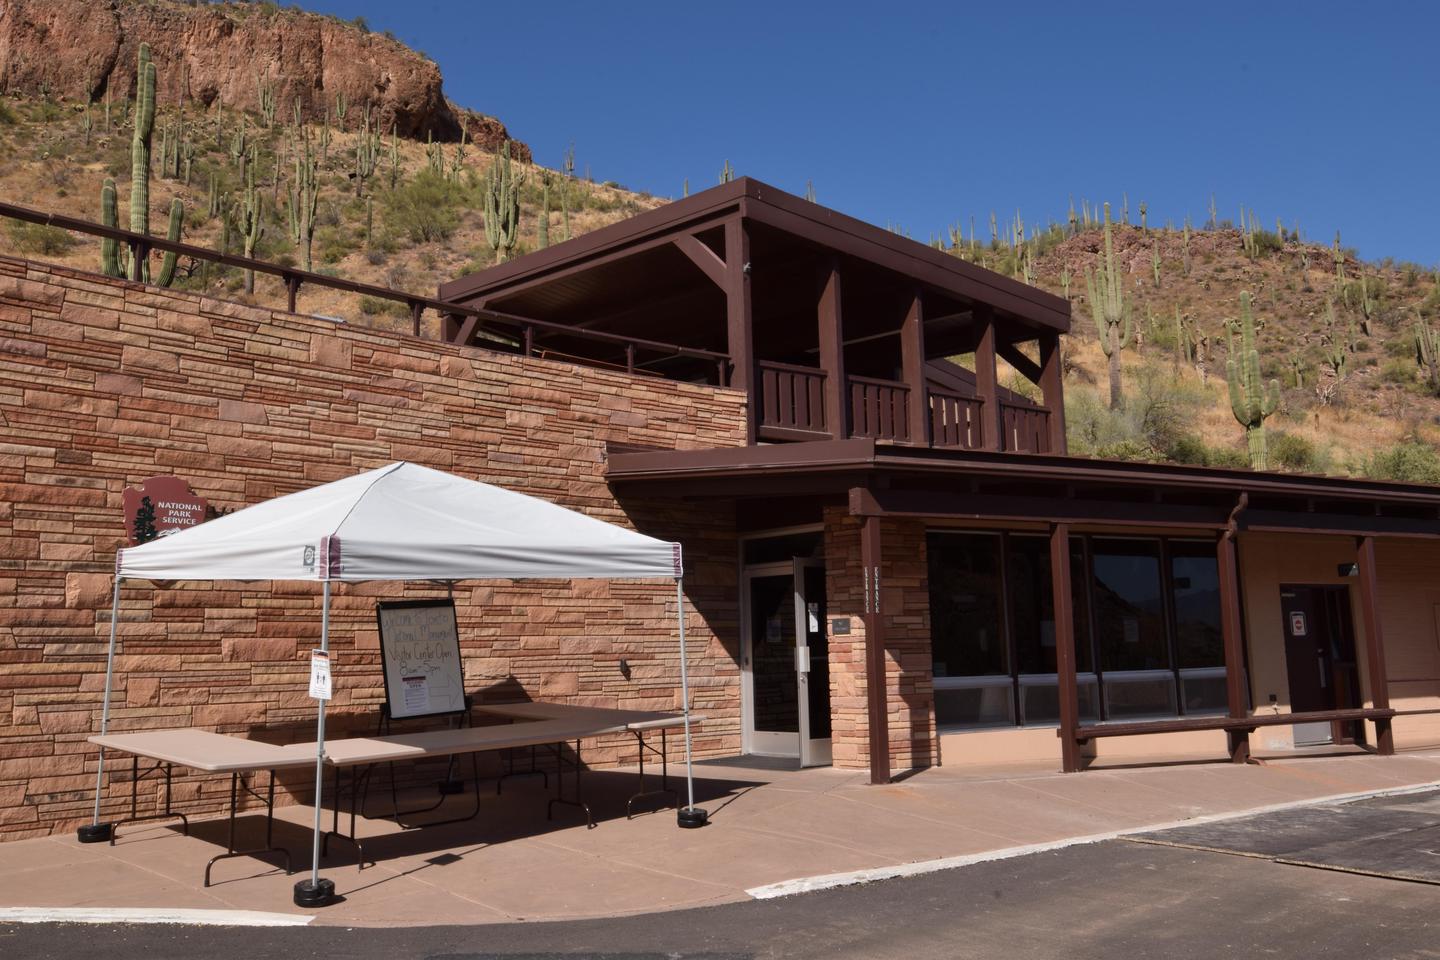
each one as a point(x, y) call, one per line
point(71, 48)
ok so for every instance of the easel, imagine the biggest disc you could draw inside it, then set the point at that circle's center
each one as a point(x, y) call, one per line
point(449, 786)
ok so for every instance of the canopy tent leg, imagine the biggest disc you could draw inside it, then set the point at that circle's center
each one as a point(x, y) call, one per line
point(690, 816)
point(317, 891)
point(95, 831)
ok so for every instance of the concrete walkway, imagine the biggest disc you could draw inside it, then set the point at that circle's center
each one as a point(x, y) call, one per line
point(767, 827)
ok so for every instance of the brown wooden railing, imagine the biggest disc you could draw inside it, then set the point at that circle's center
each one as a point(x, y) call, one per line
point(955, 421)
point(1026, 429)
point(494, 329)
point(792, 399)
point(878, 409)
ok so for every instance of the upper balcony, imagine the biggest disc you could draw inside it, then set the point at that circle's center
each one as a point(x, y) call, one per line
point(835, 328)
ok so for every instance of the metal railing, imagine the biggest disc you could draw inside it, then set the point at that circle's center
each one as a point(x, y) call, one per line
point(520, 332)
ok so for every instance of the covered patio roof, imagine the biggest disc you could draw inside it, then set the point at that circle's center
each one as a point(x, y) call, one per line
point(667, 274)
point(876, 478)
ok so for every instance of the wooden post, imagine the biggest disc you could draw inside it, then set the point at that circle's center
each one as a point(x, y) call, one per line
point(1065, 647)
point(912, 361)
point(292, 291)
point(1227, 564)
point(1052, 389)
point(416, 310)
point(832, 352)
point(986, 383)
point(1374, 641)
point(875, 687)
point(738, 319)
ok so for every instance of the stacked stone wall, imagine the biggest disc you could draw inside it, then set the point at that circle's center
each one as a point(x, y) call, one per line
point(104, 383)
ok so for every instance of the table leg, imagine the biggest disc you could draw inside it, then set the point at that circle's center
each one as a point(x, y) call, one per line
point(236, 784)
point(664, 791)
point(135, 777)
point(579, 800)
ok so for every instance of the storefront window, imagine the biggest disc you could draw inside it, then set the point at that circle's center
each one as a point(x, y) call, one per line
point(966, 635)
point(1129, 605)
point(1155, 622)
point(1195, 585)
point(1032, 604)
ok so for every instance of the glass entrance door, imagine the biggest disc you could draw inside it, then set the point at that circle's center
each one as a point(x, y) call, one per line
point(812, 663)
point(786, 662)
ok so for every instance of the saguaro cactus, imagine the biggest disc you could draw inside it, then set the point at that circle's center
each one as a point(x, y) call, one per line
point(172, 233)
point(367, 154)
point(1427, 352)
point(1251, 399)
point(249, 217)
point(1110, 312)
point(110, 262)
point(542, 229)
point(303, 195)
point(115, 260)
point(140, 155)
point(502, 205)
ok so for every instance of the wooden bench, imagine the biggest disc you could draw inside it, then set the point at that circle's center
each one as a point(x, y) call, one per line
point(1240, 728)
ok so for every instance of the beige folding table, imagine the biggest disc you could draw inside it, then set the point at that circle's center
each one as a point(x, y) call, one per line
point(210, 753)
point(547, 726)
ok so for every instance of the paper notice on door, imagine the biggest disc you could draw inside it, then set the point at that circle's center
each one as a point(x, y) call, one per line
point(813, 612)
point(417, 693)
point(320, 675)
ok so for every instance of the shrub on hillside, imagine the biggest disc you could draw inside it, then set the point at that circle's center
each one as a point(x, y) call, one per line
point(425, 209)
point(1410, 461)
point(1399, 370)
point(38, 239)
point(1291, 452)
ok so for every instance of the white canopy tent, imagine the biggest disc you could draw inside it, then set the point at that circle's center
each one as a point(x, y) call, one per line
point(400, 522)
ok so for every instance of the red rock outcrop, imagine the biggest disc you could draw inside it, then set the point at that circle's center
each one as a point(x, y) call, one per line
point(226, 52)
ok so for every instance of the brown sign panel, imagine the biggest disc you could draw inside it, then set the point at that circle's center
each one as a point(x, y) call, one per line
point(159, 506)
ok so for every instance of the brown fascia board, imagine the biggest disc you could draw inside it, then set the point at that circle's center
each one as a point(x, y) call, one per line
point(788, 213)
point(850, 456)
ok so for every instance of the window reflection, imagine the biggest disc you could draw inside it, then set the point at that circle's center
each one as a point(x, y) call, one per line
point(1156, 627)
point(965, 629)
point(1129, 605)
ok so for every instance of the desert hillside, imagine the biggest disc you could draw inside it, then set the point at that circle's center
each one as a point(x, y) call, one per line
point(302, 140)
point(1340, 336)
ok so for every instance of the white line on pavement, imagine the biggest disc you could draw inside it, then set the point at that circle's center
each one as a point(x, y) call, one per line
point(194, 918)
point(786, 888)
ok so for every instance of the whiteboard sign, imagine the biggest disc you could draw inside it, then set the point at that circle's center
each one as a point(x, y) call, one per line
point(320, 675)
point(420, 652)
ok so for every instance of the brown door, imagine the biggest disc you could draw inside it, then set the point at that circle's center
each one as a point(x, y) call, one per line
point(1320, 658)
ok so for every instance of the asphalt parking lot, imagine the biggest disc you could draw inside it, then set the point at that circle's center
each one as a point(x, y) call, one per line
point(1121, 898)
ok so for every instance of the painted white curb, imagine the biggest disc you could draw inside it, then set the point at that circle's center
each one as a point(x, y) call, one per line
point(193, 918)
point(828, 881)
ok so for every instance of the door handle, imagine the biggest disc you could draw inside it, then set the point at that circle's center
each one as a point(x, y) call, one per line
point(802, 660)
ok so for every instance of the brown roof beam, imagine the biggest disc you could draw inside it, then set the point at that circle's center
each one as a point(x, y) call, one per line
point(941, 504)
point(587, 255)
point(1023, 365)
point(702, 256)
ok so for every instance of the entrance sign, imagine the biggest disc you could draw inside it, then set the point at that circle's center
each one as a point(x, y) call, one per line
point(320, 688)
point(161, 506)
point(420, 650)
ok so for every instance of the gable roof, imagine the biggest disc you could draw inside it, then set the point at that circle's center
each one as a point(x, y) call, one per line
point(799, 219)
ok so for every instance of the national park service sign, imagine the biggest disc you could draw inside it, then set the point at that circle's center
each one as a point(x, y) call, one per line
point(160, 506)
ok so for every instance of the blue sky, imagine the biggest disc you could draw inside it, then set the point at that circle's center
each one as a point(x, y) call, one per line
point(925, 114)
